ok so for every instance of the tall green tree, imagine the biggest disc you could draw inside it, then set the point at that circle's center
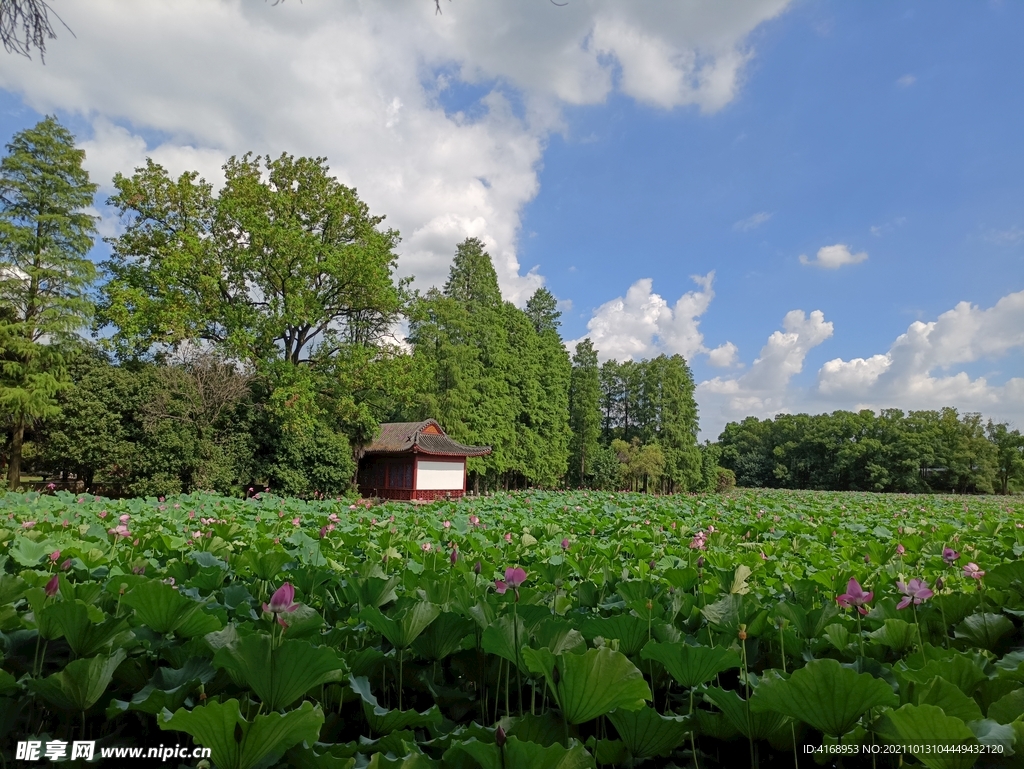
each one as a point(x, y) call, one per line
point(584, 412)
point(1009, 455)
point(45, 275)
point(285, 271)
point(461, 336)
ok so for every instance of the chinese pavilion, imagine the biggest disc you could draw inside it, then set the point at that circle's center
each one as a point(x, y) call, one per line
point(415, 460)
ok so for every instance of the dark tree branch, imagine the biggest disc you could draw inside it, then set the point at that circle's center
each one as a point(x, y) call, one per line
point(25, 24)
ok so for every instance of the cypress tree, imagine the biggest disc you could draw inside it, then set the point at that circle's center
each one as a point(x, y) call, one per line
point(45, 276)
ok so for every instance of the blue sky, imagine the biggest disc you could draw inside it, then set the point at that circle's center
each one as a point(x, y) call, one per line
point(599, 145)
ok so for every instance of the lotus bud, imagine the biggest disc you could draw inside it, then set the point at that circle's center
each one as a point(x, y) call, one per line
point(939, 583)
point(454, 557)
point(52, 586)
point(476, 568)
point(66, 565)
point(499, 737)
point(742, 633)
point(651, 565)
point(700, 562)
point(867, 558)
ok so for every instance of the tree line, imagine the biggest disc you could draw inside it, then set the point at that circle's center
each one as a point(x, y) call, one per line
point(249, 335)
point(893, 451)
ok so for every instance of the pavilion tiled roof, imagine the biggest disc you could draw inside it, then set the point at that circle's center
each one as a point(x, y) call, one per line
point(406, 437)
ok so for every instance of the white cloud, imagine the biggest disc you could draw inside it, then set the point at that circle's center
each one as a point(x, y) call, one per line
point(726, 355)
point(918, 372)
point(752, 222)
point(834, 257)
point(642, 324)
point(193, 81)
point(1008, 237)
point(906, 81)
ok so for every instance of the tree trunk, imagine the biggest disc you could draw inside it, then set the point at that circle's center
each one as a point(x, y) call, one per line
point(14, 463)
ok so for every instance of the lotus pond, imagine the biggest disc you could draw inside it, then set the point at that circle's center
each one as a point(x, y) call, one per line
point(534, 630)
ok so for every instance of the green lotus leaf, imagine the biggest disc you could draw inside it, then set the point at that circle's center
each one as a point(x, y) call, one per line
point(168, 688)
point(558, 637)
point(320, 756)
point(959, 669)
point(85, 638)
point(589, 685)
point(27, 552)
point(1006, 576)
point(518, 754)
point(924, 727)
point(646, 733)
point(500, 639)
point(264, 566)
point(1007, 708)
point(823, 694)
point(371, 591)
point(943, 694)
point(163, 610)
point(80, 684)
point(410, 761)
point(714, 725)
point(955, 606)
point(544, 729)
point(751, 724)
point(405, 627)
point(631, 632)
point(985, 630)
point(443, 636)
point(384, 721)
point(278, 676)
point(897, 634)
point(691, 665)
point(236, 743)
point(989, 732)
point(839, 636)
point(12, 587)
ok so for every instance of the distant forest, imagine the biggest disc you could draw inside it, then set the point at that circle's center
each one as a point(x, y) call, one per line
point(250, 336)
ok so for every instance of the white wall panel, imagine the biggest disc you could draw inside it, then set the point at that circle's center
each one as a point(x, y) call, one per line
point(442, 476)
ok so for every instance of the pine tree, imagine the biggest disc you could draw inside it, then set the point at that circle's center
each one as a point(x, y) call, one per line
point(584, 411)
point(45, 276)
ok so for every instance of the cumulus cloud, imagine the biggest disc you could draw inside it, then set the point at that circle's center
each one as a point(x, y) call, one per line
point(642, 324)
point(752, 222)
point(918, 371)
point(834, 257)
point(726, 355)
point(191, 82)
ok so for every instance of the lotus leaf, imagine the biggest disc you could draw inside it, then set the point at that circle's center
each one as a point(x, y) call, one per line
point(824, 695)
point(236, 743)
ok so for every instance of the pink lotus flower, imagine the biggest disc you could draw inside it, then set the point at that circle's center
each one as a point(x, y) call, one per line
point(120, 531)
point(66, 565)
point(28, 524)
point(565, 543)
point(508, 536)
point(323, 532)
point(283, 600)
point(454, 557)
point(55, 556)
point(474, 521)
point(125, 518)
point(296, 521)
point(447, 524)
point(914, 592)
point(425, 547)
point(333, 518)
point(52, 586)
point(900, 550)
point(949, 555)
point(855, 597)
point(973, 571)
point(102, 513)
point(500, 587)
